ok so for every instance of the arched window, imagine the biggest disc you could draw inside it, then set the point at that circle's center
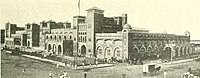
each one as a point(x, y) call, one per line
point(117, 51)
point(81, 39)
point(85, 39)
point(99, 50)
point(108, 50)
point(70, 37)
point(50, 37)
point(55, 37)
point(59, 37)
point(65, 37)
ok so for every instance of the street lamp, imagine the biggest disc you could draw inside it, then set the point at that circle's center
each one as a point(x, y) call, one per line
point(75, 56)
point(171, 56)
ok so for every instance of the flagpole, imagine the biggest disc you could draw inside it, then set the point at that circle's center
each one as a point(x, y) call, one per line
point(79, 7)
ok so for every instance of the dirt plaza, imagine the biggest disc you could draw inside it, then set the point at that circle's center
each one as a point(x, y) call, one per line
point(12, 67)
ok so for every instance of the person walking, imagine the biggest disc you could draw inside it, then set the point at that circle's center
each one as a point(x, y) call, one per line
point(123, 76)
point(165, 74)
point(85, 74)
point(189, 70)
point(23, 71)
point(57, 65)
point(50, 74)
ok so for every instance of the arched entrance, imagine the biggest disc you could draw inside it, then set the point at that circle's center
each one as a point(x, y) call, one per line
point(133, 54)
point(17, 42)
point(99, 50)
point(155, 50)
point(59, 49)
point(54, 49)
point(181, 51)
point(142, 49)
point(185, 50)
point(142, 53)
point(83, 50)
point(167, 53)
point(117, 52)
point(149, 51)
point(49, 47)
point(188, 51)
point(107, 52)
point(176, 52)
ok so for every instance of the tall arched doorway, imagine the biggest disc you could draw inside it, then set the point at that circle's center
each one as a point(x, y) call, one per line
point(49, 47)
point(176, 52)
point(54, 49)
point(167, 53)
point(83, 50)
point(149, 50)
point(185, 50)
point(107, 52)
point(133, 54)
point(188, 51)
point(117, 52)
point(99, 51)
point(142, 52)
point(181, 51)
point(59, 49)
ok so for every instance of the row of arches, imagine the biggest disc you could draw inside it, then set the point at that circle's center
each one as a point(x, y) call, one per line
point(82, 38)
point(109, 41)
point(108, 52)
point(179, 51)
point(54, 49)
point(58, 37)
point(183, 51)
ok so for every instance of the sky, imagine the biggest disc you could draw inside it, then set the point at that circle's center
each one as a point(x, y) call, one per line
point(172, 16)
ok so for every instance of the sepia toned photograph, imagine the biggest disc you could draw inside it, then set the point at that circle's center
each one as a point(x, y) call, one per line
point(100, 38)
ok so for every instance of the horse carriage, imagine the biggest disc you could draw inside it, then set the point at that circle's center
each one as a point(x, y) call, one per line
point(151, 69)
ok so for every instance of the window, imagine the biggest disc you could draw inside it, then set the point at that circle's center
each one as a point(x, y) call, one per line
point(70, 37)
point(81, 39)
point(85, 39)
point(44, 25)
point(108, 52)
point(50, 37)
point(59, 37)
point(118, 53)
point(89, 39)
point(28, 26)
point(100, 51)
point(65, 37)
point(89, 50)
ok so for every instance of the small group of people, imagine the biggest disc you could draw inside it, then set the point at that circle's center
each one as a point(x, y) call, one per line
point(63, 74)
point(135, 61)
point(189, 74)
